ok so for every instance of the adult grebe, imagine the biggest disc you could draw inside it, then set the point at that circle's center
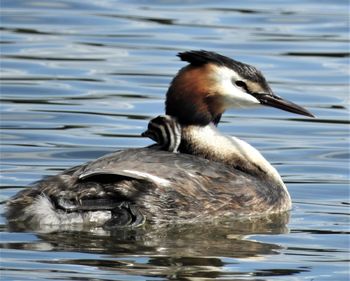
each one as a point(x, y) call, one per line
point(213, 176)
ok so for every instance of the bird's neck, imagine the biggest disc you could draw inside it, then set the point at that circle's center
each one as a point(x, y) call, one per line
point(208, 142)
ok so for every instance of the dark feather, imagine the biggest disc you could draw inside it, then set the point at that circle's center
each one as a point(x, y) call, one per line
point(198, 58)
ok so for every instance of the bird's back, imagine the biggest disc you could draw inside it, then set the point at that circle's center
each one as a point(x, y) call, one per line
point(134, 185)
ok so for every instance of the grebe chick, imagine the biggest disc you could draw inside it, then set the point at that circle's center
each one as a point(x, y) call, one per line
point(165, 131)
point(213, 176)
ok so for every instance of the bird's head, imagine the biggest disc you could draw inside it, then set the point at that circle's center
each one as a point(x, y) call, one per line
point(212, 83)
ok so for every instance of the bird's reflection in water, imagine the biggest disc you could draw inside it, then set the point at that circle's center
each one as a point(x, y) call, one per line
point(170, 251)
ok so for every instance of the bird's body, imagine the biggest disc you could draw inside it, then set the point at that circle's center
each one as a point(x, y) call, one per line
point(212, 175)
point(162, 187)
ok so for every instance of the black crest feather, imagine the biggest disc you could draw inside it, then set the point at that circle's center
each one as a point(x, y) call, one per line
point(201, 57)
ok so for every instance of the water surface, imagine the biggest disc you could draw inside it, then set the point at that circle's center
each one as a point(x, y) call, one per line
point(82, 78)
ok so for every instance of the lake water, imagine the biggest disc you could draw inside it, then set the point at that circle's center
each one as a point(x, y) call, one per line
point(82, 78)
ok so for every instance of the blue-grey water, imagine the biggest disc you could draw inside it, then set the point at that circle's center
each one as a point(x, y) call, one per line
point(82, 78)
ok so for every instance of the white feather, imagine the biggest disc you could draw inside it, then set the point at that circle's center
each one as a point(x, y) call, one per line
point(149, 177)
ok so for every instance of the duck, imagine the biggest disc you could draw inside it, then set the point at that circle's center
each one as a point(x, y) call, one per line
point(192, 173)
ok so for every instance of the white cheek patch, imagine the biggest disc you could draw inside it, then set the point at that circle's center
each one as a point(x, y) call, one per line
point(234, 96)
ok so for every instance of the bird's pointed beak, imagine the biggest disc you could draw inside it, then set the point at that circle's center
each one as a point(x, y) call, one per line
point(278, 102)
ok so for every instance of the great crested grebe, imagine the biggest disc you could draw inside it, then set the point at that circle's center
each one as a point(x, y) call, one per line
point(212, 176)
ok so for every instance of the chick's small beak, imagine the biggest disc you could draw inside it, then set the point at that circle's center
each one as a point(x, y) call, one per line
point(278, 102)
point(148, 134)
